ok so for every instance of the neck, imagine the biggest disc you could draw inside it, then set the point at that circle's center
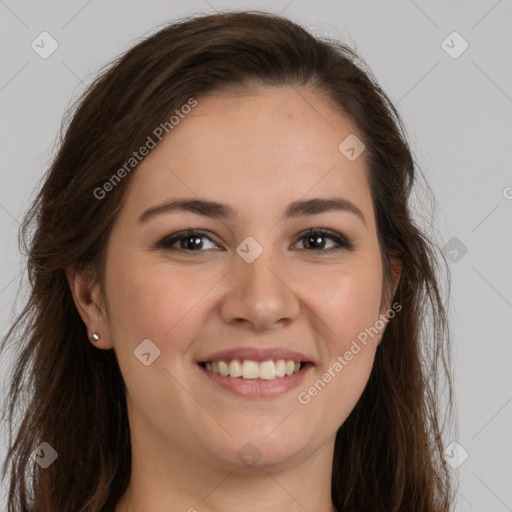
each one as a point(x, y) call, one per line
point(161, 482)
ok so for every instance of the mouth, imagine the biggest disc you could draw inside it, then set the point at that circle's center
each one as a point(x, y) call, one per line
point(252, 379)
point(248, 369)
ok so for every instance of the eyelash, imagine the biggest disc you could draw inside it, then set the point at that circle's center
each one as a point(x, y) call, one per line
point(343, 243)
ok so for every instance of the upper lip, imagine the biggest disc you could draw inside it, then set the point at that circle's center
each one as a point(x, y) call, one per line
point(256, 354)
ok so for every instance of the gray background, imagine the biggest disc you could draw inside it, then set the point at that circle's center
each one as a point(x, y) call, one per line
point(458, 115)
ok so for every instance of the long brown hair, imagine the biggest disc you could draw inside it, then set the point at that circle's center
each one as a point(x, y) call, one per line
point(388, 453)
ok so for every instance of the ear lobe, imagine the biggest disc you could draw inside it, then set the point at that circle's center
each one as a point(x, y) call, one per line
point(87, 298)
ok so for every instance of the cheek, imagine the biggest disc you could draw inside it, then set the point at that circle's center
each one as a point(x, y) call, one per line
point(347, 303)
point(347, 300)
point(153, 301)
point(353, 309)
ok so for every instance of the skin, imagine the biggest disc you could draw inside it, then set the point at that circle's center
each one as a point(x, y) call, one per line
point(257, 151)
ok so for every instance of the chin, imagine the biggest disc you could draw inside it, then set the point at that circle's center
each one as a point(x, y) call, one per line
point(257, 451)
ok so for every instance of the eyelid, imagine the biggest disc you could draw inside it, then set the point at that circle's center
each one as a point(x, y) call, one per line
point(343, 243)
point(168, 240)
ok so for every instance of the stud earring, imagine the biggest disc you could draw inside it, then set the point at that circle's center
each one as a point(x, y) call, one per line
point(94, 336)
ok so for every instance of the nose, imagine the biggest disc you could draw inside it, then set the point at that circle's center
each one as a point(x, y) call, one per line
point(259, 295)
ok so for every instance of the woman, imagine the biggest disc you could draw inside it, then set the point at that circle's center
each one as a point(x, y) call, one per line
point(229, 295)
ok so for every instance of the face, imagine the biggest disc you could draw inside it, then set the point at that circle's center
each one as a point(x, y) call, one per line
point(260, 277)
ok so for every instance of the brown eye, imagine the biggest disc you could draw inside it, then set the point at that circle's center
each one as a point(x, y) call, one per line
point(314, 240)
point(190, 241)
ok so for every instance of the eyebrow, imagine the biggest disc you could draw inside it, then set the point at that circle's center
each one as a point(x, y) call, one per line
point(216, 210)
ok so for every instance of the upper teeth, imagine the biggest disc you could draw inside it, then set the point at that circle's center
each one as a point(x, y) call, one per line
point(268, 370)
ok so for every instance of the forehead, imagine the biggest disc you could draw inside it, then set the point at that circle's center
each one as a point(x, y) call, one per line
point(258, 146)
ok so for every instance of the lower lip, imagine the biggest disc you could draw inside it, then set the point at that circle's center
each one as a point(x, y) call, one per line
point(256, 388)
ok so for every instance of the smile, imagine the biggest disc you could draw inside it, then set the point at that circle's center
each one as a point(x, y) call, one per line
point(251, 379)
point(248, 369)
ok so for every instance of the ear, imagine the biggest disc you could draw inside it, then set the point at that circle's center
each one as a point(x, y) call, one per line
point(90, 305)
point(396, 270)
